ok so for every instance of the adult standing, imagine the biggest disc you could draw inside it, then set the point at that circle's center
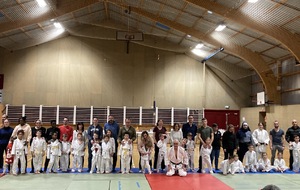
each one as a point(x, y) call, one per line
point(50, 131)
point(176, 133)
point(244, 138)
point(204, 132)
point(131, 131)
point(261, 139)
point(94, 128)
point(5, 134)
point(276, 141)
point(38, 126)
point(65, 128)
point(189, 127)
point(289, 137)
point(27, 134)
point(216, 145)
point(158, 129)
point(229, 142)
point(113, 126)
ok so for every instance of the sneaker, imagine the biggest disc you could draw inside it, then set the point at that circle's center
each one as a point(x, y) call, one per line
point(91, 172)
point(140, 171)
point(73, 170)
point(79, 171)
point(211, 172)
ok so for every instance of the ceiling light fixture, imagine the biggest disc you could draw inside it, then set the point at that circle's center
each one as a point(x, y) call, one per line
point(197, 52)
point(252, 1)
point(41, 3)
point(220, 27)
point(209, 12)
point(188, 36)
point(58, 25)
point(199, 46)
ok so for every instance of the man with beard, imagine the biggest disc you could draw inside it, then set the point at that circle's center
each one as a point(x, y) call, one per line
point(276, 141)
point(289, 137)
point(113, 126)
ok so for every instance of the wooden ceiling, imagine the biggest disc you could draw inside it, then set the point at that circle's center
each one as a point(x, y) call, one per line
point(257, 34)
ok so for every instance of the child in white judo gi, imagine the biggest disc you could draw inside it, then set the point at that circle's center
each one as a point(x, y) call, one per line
point(65, 153)
point(250, 160)
point(295, 146)
point(264, 164)
point(125, 152)
point(54, 153)
point(279, 163)
point(106, 155)
point(190, 147)
point(236, 166)
point(38, 149)
point(205, 153)
point(19, 150)
point(112, 141)
point(225, 166)
point(145, 152)
point(261, 139)
point(162, 145)
point(77, 149)
point(96, 152)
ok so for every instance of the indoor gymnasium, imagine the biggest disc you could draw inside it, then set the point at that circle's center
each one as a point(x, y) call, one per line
point(149, 94)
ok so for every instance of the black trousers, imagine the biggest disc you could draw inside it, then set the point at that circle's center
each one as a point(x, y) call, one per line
point(242, 151)
point(115, 157)
point(291, 160)
point(229, 152)
point(2, 149)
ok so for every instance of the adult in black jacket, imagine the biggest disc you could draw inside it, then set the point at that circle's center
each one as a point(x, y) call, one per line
point(216, 145)
point(229, 142)
point(289, 137)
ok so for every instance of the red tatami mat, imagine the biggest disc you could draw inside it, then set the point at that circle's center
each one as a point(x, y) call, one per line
point(190, 182)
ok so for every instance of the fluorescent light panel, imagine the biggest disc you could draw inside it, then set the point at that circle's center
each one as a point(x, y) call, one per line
point(220, 27)
point(58, 25)
point(252, 1)
point(199, 46)
point(41, 3)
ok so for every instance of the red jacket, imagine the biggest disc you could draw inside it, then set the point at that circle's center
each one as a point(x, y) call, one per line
point(9, 159)
point(66, 130)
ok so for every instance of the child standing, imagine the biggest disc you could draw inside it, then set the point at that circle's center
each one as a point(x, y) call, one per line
point(19, 150)
point(53, 153)
point(106, 155)
point(9, 158)
point(264, 163)
point(205, 154)
point(65, 153)
point(162, 145)
point(145, 152)
point(77, 149)
point(216, 145)
point(226, 165)
point(237, 165)
point(279, 163)
point(96, 152)
point(113, 145)
point(125, 153)
point(190, 147)
point(295, 146)
point(38, 149)
point(250, 159)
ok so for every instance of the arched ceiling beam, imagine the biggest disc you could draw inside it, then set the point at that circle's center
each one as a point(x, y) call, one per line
point(254, 59)
point(62, 8)
point(289, 40)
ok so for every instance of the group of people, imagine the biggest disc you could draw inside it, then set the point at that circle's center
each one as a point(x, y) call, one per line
point(105, 144)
